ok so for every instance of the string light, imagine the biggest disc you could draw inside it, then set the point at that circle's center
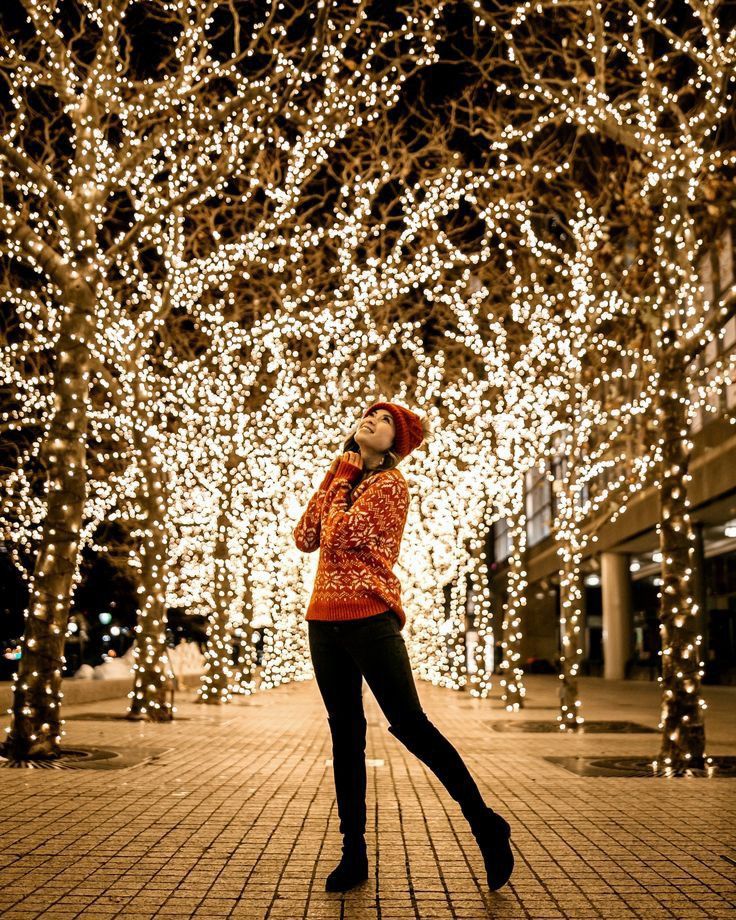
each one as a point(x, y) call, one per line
point(207, 458)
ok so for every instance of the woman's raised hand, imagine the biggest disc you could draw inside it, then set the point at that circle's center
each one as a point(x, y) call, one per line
point(354, 457)
point(349, 468)
point(330, 474)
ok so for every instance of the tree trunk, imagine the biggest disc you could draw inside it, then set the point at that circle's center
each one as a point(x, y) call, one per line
point(512, 682)
point(215, 687)
point(683, 731)
point(153, 678)
point(36, 728)
point(458, 614)
point(246, 665)
point(481, 681)
point(571, 596)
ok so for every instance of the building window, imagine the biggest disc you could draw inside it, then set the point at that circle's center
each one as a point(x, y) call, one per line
point(501, 540)
point(538, 506)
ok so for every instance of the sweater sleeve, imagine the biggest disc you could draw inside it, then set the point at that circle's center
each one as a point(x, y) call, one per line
point(381, 509)
point(307, 531)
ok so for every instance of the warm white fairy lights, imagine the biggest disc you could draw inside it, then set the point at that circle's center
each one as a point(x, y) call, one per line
point(206, 442)
point(165, 145)
point(513, 691)
point(665, 115)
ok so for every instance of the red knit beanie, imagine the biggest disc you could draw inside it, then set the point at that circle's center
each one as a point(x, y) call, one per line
point(407, 424)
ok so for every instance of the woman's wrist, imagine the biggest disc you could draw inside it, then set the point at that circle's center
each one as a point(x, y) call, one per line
point(347, 472)
point(330, 474)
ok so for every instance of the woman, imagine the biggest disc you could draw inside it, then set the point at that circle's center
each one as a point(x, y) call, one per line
point(356, 519)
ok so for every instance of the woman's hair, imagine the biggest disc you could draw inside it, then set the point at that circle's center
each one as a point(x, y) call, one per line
point(390, 459)
point(427, 429)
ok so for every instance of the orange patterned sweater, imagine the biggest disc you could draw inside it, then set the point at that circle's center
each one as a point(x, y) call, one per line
point(358, 536)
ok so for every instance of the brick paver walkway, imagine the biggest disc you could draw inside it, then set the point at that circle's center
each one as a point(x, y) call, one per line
point(237, 817)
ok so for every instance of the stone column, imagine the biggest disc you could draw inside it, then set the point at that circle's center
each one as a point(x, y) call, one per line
point(617, 620)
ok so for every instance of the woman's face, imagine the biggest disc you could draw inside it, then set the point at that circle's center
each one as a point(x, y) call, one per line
point(376, 431)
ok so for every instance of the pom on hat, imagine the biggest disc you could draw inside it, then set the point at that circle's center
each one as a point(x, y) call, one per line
point(410, 428)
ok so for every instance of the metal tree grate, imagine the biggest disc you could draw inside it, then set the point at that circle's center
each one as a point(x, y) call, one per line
point(501, 706)
point(723, 767)
point(113, 717)
point(212, 719)
point(86, 758)
point(592, 728)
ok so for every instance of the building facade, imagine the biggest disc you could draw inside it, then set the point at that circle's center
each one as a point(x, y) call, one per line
point(620, 571)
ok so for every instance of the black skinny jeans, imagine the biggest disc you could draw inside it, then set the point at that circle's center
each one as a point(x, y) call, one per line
point(372, 647)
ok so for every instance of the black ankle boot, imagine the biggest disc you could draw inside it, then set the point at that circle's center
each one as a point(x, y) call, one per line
point(492, 834)
point(352, 868)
